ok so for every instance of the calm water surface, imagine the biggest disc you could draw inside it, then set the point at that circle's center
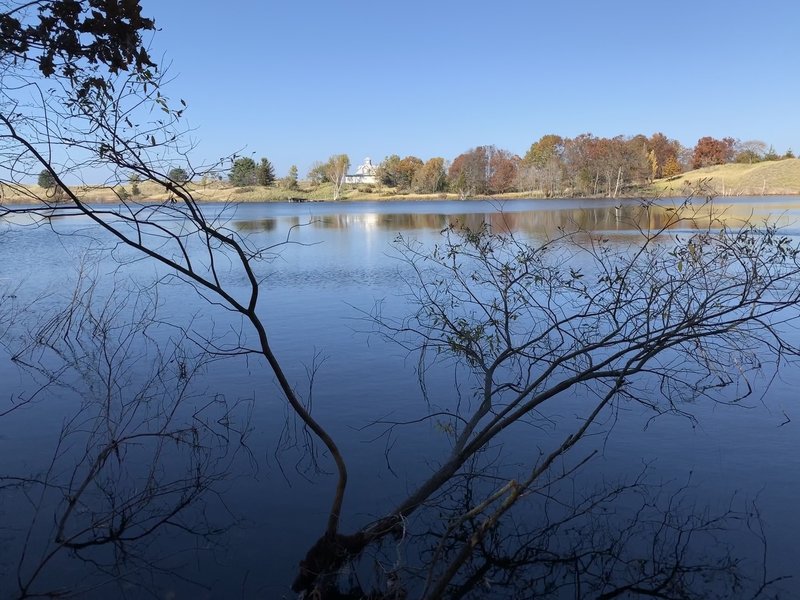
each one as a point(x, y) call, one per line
point(341, 263)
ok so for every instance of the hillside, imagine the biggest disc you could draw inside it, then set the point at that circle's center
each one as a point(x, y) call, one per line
point(781, 177)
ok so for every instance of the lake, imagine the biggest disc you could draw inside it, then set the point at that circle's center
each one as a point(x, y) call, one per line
point(339, 266)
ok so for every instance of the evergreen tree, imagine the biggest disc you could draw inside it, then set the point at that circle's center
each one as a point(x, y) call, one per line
point(290, 181)
point(243, 172)
point(134, 179)
point(46, 179)
point(265, 173)
point(178, 174)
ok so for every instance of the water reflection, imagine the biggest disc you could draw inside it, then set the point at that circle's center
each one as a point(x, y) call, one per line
point(606, 217)
point(313, 298)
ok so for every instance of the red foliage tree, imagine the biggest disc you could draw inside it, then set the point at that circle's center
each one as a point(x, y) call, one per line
point(483, 170)
point(710, 151)
point(503, 166)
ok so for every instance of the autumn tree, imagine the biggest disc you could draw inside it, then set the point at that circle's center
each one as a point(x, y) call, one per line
point(467, 175)
point(665, 150)
point(606, 166)
point(407, 170)
point(398, 172)
point(335, 171)
point(671, 168)
point(502, 169)
point(710, 151)
point(546, 149)
point(483, 170)
point(317, 174)
point(431, 177)
point(542, 167)
point(655, 168)
point(582, 159)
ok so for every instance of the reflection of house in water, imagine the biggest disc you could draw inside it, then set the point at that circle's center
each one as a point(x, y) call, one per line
point(589, 220)
point(364, 173)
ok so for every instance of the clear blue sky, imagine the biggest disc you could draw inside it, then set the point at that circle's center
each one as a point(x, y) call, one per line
point(297, 81)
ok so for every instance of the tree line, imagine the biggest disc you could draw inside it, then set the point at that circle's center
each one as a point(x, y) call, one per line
point(586, 165)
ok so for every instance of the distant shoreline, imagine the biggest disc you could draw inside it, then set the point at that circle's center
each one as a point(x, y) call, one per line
point(21, 201)
point(764, 179)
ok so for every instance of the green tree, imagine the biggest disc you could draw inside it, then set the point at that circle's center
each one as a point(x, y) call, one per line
point(243, 172)
point(265, 173)
point(46, 179)
point(387, 170)
point(134, 179)
point(178, 174)
point(290, 181)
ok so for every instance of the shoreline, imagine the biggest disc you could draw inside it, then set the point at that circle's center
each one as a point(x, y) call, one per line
point(391, 199)
point(762, 180)
point(232, 199)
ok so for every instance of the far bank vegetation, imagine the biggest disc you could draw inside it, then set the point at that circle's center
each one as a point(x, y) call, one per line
point(553, 166)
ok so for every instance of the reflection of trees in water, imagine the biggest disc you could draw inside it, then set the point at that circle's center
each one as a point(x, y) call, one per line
point(630, 217)
point(256, 225)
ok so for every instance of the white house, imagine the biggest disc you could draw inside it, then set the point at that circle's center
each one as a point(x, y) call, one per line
point(365, 173)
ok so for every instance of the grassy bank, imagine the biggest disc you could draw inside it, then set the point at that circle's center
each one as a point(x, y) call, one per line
point(761, 179)
point(773, 178)
point(218, 191)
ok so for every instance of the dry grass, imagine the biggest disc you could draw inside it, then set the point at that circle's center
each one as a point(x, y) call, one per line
point(217, 191)
point(773, 178)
